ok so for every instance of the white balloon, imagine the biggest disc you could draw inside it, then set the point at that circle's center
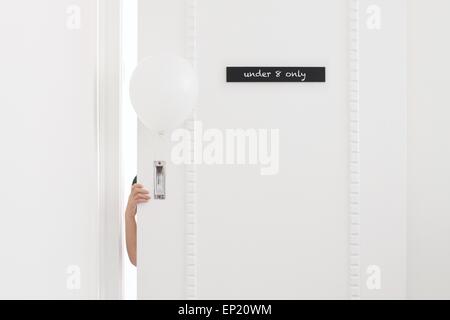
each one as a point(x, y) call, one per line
point(163, 91)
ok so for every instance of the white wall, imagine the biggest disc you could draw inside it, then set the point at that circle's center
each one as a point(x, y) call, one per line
point(383, 149)
point(429, 150)
point(48, 164)
point(283, 236)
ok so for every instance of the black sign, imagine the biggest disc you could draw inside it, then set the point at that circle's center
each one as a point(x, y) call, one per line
point(275, 74)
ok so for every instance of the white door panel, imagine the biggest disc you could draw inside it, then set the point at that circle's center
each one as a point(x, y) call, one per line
point(274, 236)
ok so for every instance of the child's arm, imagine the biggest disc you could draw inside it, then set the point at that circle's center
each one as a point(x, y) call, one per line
point(138, 195)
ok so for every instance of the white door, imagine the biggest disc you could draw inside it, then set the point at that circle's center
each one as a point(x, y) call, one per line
point(320, 207)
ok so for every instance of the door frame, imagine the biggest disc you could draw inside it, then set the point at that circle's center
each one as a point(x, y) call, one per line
point(110, 178)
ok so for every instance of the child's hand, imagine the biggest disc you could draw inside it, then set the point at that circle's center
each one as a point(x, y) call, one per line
point(138, 195)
